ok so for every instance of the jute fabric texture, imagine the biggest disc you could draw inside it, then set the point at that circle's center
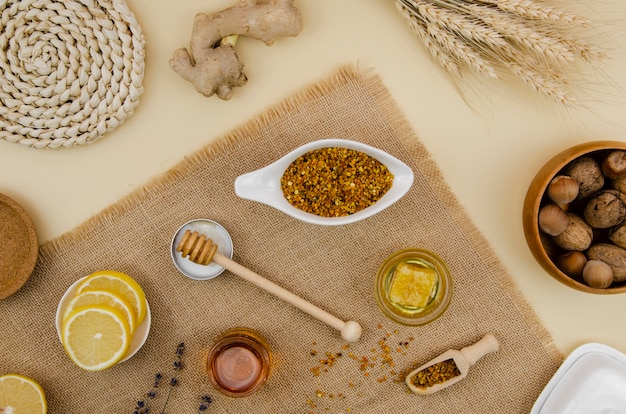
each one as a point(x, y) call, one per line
point(70, 71)
point(313, 370)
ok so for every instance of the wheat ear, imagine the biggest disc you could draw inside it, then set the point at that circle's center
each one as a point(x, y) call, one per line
point(460, 50)
point(474, 30)
point(524, 37)
point(541, 84)
point(584, 50)
point(433, 48)
point(524, 34)
point(545, 80)
point(535, 11)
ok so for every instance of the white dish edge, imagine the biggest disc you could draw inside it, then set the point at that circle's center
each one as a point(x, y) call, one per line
point(569, 362)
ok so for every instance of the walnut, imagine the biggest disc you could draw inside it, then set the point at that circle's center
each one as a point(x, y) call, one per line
point(588, 173)
point(577, 236)
point(619, 184)
point(605, 209)
point(612, 255)
point(618, 235)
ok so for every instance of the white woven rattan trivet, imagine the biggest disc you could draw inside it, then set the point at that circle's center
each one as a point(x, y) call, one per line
point(70, 70)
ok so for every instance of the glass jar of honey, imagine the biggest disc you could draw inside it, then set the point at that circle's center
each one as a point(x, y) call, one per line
point(413, 287)
point(238, 363)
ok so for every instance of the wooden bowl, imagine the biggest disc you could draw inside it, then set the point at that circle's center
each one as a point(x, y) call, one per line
point(541, 244)
point(19, 246)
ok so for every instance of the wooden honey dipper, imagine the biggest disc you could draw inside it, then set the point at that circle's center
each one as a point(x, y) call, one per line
point(202, 250)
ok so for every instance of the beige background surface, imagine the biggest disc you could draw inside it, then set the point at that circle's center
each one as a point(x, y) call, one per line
point(488, 155)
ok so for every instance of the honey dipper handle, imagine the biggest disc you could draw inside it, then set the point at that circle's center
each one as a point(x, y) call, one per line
point(350, 330)
point(486, 345)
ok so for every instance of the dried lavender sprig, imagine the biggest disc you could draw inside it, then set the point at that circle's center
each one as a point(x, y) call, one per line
point(177, 366)
point(204, 405)
point(143, 406)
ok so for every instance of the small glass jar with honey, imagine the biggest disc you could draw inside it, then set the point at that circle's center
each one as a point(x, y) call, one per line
point(413, 287)
point(238, 363)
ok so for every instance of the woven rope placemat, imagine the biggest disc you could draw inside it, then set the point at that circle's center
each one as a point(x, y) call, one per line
point(334, 267)
point(70, 70)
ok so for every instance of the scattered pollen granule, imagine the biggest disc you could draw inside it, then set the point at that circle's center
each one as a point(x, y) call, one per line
point(324, 363)
point(376, 366)
point(335, 182)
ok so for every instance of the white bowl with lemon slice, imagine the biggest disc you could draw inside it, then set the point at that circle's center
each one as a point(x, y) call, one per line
point(103, 297)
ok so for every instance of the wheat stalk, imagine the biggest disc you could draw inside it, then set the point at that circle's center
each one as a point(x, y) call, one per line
point(585, 51)
point(527, 38)
point(435, 50)
point(545, 79)
point(540, 83)
point(460, 50)
point(524, 33)
point(450, 43)
point(536, 11)
point(473, 29)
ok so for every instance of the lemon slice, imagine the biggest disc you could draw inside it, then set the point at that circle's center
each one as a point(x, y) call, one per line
point(412, 286)
point(103, 297)
point(21, 395)
point(95, 337)
point(120, 284)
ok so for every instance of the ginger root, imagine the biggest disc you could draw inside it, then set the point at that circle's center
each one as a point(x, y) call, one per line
point(211, 63)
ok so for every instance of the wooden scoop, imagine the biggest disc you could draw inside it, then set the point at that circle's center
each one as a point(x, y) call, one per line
point(463, 359)
point(202, 250)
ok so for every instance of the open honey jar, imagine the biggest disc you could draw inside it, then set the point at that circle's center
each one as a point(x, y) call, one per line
point(413, 287)
point(238, 363)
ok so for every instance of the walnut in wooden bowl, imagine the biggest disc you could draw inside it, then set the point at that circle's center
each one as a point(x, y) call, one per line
point(574, 216)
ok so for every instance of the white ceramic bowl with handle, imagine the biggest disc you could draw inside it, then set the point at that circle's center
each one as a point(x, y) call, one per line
point(263, 185)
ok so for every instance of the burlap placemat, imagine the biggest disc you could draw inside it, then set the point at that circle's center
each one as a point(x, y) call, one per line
point(333, 267)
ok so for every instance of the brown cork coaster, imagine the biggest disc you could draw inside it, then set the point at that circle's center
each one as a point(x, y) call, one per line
point(19, 247)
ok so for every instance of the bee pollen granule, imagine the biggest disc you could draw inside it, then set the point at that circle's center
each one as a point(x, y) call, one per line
point(335, 182)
